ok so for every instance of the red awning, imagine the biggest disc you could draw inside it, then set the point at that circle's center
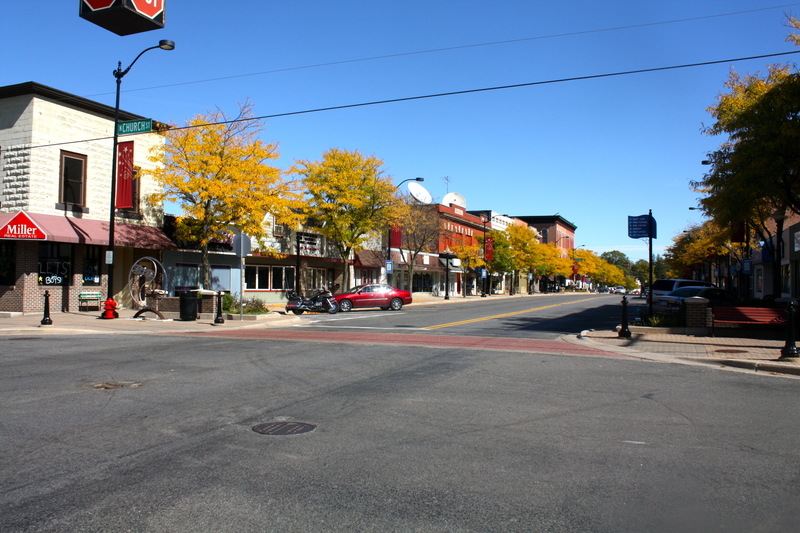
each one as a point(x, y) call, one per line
point(59, 228)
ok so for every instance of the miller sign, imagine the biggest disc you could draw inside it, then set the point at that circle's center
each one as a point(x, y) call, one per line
point(124, 17)
point(21, 226)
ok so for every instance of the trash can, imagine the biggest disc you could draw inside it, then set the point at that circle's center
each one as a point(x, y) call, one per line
point(187, 302)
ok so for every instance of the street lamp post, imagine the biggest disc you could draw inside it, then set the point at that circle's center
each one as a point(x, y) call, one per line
point(484, 220)
point(777, 253)
point(389, 236)
point(110, 306)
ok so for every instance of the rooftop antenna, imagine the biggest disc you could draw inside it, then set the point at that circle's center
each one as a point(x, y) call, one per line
point(446, 183)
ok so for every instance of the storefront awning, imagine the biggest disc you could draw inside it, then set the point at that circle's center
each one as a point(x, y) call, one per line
point(369, 259)
point(57, 228)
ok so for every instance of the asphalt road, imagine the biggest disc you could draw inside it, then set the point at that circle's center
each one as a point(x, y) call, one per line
point(126, 433)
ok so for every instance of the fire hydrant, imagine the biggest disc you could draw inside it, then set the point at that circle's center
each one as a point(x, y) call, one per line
point(110, 309)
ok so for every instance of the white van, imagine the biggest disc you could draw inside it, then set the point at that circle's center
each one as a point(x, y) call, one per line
point(665, 286)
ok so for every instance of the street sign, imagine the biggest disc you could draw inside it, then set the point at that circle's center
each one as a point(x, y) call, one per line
point(640, 227)
point(389, 267)
point(124, 17)
point(135, 126)
point(151, 8)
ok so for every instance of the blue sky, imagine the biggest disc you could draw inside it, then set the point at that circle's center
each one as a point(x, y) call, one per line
point(593, 151)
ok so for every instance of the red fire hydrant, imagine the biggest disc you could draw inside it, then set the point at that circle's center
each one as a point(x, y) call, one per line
point(110, 309)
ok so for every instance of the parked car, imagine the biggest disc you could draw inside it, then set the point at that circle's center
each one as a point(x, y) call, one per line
point(619, 289)
point(373, 295)
point(661, 287)
point(672, 301)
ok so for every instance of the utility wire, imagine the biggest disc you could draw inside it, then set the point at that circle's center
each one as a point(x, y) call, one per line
point(456, 93)
point(457, 47)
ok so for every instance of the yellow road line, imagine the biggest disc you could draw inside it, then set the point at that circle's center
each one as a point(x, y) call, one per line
point(481, 319)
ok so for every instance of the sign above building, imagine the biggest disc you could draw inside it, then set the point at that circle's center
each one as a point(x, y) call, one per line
point(21, 226)
point(124, 17)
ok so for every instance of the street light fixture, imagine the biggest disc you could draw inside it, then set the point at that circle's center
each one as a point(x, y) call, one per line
point(110, 307)
point(484, 220)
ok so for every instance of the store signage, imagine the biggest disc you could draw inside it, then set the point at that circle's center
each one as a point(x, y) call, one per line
point(21, 226)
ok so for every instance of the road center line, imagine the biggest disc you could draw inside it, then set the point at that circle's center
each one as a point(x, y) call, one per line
point(493, 317)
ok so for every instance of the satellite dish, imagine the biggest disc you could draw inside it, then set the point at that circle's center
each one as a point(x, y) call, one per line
point(419, 193)
point(455, 199)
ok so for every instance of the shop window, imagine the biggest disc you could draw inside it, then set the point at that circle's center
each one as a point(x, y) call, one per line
point(55, 264)
point(91, 265)
point(186, 277)
point(220, 278)
point(277, 278)
point(8, 263)
point(73, 179)
point(282, 278)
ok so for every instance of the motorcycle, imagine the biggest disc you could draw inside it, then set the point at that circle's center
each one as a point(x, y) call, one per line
point(320, 302)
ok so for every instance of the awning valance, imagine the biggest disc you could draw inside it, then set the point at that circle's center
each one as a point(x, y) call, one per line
point(58, 228)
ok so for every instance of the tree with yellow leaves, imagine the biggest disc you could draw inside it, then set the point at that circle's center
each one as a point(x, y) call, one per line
point(216, 169)
point(349, 199)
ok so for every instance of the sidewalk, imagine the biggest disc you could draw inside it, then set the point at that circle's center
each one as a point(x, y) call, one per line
point(647, 343)
point(759, 355)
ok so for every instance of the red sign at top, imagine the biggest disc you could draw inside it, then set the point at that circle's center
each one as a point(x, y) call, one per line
point(98, 4)
point(151, 8)
point(21, 226)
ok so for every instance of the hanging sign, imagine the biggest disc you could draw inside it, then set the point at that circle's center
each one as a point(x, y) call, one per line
point(124, 17)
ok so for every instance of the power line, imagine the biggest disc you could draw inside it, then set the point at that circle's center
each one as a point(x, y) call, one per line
point(461, 92)
point(458, 47)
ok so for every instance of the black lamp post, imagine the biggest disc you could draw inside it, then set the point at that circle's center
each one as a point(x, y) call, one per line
point(110, 305)
point(484, 220)
point(389, 234)
point(447, 256)
point(777, 253)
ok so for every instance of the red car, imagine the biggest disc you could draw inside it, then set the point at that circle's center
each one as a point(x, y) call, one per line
point(373, 295)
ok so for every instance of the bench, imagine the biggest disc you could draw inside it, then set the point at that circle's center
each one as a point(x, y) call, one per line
point(89, 298)
point(753, 316)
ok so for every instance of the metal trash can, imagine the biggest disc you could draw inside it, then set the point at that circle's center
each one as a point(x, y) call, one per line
point(187, 303)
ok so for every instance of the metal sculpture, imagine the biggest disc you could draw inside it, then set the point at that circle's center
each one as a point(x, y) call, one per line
point(145, 281)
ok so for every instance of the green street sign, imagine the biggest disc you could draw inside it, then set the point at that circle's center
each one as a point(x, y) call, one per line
point(135, 126)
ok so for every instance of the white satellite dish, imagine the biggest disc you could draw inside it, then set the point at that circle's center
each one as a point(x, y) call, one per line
point(455, 199)
point(419, 193)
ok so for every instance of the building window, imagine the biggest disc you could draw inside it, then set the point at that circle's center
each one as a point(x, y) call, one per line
point(73, 178)
point(276, 278)
point(55, 264)
point(91, 265)
point(186, 277)
point(8, 263)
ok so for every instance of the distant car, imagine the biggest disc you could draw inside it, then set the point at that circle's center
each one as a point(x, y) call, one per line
point(619, 289)
point(373, 295)
point(662, 287)
point(635, 291)
point(717, 297)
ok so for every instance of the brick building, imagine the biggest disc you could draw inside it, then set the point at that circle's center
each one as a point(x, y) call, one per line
point(55, 187)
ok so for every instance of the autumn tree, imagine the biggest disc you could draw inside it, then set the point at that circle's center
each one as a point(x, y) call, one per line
point(421, 231)
point(349, 199)
point(216, 168)
point(523, 242)
point(756, 170)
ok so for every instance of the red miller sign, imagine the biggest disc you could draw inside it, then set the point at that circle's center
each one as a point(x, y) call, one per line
point(22, 227)
point(124, 17)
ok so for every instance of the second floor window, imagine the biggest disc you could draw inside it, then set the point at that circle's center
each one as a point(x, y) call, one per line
point(73, 178)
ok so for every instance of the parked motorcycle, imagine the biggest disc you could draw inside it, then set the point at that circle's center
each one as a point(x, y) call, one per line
point(322, 301)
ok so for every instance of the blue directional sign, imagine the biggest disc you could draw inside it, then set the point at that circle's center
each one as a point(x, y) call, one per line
point(641, 226)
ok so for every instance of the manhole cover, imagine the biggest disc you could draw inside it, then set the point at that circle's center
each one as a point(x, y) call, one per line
point(729, 350)
point(283, 428)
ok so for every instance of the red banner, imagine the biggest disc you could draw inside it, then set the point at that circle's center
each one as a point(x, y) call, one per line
point(489, 246)
point(125, 175)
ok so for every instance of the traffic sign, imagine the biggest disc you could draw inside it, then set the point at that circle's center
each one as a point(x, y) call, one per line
point(135, 126)
point(151, 8)
point(94, 5)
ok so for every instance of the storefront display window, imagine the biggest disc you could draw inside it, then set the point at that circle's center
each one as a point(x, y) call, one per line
point(55, 264)
point(8, 263)
point(91, 266)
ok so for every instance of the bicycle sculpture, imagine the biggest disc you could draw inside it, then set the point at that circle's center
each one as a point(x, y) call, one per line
point(146, 279)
